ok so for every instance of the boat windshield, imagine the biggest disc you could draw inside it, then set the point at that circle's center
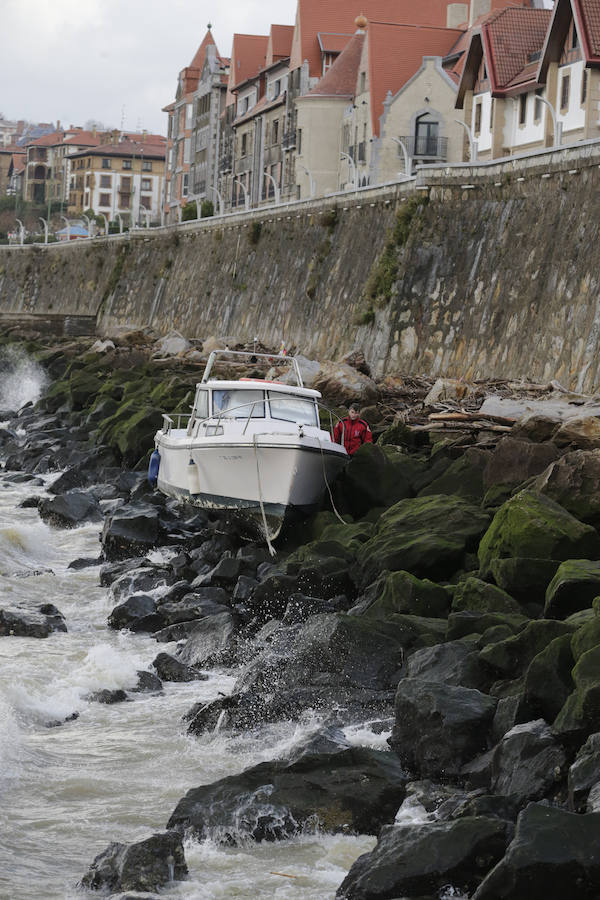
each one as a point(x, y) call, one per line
point(292, 409)
point(239, 404)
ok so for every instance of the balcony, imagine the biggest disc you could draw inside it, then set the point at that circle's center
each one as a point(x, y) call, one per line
point(424, 146)
point(288, 141)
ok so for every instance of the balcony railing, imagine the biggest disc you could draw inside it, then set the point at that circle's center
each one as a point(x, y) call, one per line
point(425, 146)
point(289, 139)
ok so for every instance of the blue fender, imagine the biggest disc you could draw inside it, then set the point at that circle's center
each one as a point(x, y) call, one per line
point(153, 467)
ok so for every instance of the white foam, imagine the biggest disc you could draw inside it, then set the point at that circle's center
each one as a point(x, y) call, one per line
point(413, 813)
point(23, 379)
point(11, 744)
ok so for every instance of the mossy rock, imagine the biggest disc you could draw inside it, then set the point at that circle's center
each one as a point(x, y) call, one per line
point(532, 525)
point(130, 431)
point(427, 536)
point(404, 593)
point(524, 578)
point(103, 408)
point(398, 435)
point(580, 714)
point(476, 595)
point(498, 494)
point(376, 476)
point(414, 632)
point(461, 624)
point(463, 477)
point(586, 637)
point(548, 681)
point(573, 588)
point(512, 656)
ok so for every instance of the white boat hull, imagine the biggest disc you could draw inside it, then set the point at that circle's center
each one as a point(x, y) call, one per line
point(266, 476)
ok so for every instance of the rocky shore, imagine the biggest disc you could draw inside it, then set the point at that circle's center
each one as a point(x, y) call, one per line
point(457, 608)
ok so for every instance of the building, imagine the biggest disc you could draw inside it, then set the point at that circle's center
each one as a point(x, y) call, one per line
point(10, 157)
point(193, 127)
point(531, 79)
point(122, 178)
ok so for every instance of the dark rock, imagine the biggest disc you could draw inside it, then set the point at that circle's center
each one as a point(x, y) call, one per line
point(300, 608)
point(553, 854)
point(138, 613)
point(192, 606)
point(327, 739)
point(574, 482)
point(107, 696)
point(528, 762)
point(455, 662)
point(580, 715)
point(145, 866)
point(525, 579)
point(130, 531)
point(475, 595)
point(70, 509)
point(584, 773)
point(354, 791)
point(461, 624)
point(270, 598)
point(30, 502)
point(147, 683)
point(225, 573)
point(515, 461)
point(84, 562)
point(37, 622)
point(210, 641)
point(244, 589)
point(170, 669)
point(439, 727)
point(142, 578)
point(575, 585)
point(376, 476)
point(548, 681)
point(401, 592)
point(463, 477)
point(421, 860)
point(427, 536)
point(511, 657)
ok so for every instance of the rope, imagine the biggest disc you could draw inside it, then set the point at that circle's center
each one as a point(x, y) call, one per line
point(333, 506)
point(272, 550)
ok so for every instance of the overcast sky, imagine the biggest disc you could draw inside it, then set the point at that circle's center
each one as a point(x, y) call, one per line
point(115, 61)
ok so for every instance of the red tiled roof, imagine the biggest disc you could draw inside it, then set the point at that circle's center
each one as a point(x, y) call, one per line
point(589, 16)
point(200, 54)
point(340, 79)
point(47, 140)
point(332, 43)
point(248, 55)
point(509, 38)
point(337, 16)
point(280, 42)
point(527, 76)
point(126, 148)
point(396, 54)
point(85, 138)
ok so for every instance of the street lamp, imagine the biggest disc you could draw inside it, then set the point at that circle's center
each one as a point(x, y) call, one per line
point(105, 223)
point(118, 216)
point(556, 125)
point(472, 141)
point(246, 200)
point(219, 198)
point(21, 231)
point(403, 147)
point(88, 224)
point(353, 164)
point(64, 218)
point(45, 224)
point(277, 193)
point(312, 186)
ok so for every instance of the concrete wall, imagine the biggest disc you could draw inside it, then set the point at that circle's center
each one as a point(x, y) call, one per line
point(499, 276)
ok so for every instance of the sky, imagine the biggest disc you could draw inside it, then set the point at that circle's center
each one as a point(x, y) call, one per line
point(114, 61)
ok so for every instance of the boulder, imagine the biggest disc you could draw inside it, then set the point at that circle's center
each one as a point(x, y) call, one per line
point(534, 427)
point(401, 592)
point(39, 621)
point(147, 683)
point(210, 641)
point(580, 714)
point(584, 773)
point(427, 536)
point(548, 680)
point(574, 587)
point(341, 384)
point(574, 482)
point(515, 461)
point(423, 860)
point(525, 579)
point(528, 762)
point(454, 662)
point(376, 476)
point(461, 624)
point(70, 509)
point(553, 854)
point(532, 525)
point(449, 389)
point(144, 866)
point(439, 727)
point(170, 669)
point(583, 432)
point(137, 613)
point(353, 791)
point(107, 696)
point(475, 595)
point(510, 657)
point(131, 531)
point(463, 477)
point(172, 344)
point(587, 635)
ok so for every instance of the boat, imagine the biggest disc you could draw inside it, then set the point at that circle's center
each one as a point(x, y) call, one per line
point(252, 446)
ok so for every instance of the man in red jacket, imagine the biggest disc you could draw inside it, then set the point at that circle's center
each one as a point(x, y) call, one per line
point(355, 430)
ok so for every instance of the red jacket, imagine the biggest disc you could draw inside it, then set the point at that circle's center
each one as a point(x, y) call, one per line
point(355, 434)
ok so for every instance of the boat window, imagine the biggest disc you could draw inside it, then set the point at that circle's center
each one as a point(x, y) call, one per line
point(290, 408)
point(201, 410)
point(238, 404)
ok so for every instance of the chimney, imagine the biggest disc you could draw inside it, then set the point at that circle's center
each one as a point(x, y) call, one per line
point(479, 8)
point(457, 14)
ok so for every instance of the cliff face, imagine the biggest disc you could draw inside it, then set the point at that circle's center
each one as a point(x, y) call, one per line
point(498, 278)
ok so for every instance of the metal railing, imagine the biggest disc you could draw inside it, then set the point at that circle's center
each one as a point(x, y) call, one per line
point(426, 145)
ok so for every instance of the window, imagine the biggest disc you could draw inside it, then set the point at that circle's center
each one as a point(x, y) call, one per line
point(244, 144)
point(105, 181)
point(146, 202)
point(574, 38)
point(127, 164)
point(146, 184)
point(289, 408)
point(126, 183)
point(537, 115)
point(477, 125)
point(363, 82)
point(105, 200)
point(239, 404)
point(106, 163)
point(299, 141)
point(185, 185)
point(124, 201)
point(427, 134)
point(275, 89)
point(565, 89)
point(146, 165)
point(584, 86)
point(492, 102)
point(522, 109)
point(275, 131)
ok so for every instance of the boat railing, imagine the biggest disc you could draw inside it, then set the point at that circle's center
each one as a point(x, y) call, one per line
point(253, 358)
point(177, 422)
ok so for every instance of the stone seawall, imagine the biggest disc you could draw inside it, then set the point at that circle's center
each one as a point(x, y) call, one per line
point(495, 276)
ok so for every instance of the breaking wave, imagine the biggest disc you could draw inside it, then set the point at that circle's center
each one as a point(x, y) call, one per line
point(22, 379)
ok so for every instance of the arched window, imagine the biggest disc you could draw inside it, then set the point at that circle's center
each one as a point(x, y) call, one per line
point(39, 173)
point(426, 135)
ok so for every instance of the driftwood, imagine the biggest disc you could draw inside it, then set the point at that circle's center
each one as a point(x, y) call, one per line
point(479, 425)
point(470, 417)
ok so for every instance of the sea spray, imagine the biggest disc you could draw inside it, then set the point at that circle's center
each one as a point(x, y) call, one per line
point(22, 379)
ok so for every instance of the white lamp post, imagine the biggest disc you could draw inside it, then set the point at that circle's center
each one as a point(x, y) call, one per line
point(105, 223)
point(405, 153)
point(246, 200)
point(88, 224)
point(353, 165)
point(312, 186)
point(64, 218)
point(45, 224)
point(118, 215)
point(21, 231)
point(219, 198)
point(275, 185)
point(472, 141)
